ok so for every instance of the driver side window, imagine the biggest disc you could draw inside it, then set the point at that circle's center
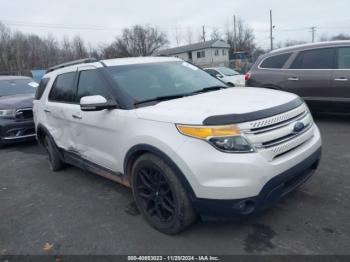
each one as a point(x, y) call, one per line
point(90, 84)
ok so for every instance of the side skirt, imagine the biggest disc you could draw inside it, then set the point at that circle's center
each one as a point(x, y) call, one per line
point(75, 159)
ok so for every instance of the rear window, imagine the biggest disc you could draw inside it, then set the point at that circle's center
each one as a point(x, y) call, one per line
point(63, 89)
point(276, 61)
point(41, 88)
point(323, 58)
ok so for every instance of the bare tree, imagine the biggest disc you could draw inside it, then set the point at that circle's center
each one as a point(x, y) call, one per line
point(21, 52)
point(178, 36)
point(137, 41)
point(244, 40)
point(79, 48)
point(215, 34)
point(340, 36)
point(189, 36)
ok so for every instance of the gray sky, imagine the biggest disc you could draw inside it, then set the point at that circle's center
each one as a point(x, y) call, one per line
point(99, 21)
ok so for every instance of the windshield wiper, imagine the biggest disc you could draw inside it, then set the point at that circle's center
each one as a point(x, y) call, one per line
point(208, 89)
point(160, 98)
point(169, 97)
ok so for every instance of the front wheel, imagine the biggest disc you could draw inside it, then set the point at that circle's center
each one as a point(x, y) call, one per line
point(160, 196)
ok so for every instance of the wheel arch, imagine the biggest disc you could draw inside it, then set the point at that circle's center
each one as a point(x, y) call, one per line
point(140, 149)
point(41, 131)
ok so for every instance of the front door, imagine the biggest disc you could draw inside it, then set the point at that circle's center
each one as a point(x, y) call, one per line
point(96, 132)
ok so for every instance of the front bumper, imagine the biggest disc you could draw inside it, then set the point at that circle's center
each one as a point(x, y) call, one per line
point(12, 130)
point(274, 190)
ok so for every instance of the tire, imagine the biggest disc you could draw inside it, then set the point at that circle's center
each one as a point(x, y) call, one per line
point(160, 196)
point(55, 161)
point(230, 84)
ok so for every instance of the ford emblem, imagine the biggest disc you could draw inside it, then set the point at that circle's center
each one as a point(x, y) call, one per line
point(298, 127)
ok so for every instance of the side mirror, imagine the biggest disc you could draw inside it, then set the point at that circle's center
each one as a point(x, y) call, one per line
point(96, 103)
point(218, 76)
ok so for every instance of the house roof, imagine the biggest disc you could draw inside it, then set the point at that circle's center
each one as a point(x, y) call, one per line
point(193, 47)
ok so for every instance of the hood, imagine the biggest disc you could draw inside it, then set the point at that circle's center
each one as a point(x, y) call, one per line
point(16, 101)
point(194, 109)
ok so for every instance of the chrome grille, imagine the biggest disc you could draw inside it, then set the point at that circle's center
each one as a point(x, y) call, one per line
point(275, 136)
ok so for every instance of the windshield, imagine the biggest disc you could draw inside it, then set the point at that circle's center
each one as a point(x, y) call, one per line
point(16, 87)
point(228, 72)
point(149, 81)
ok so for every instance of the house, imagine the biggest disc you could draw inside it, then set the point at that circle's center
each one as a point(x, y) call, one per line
point(204, 54)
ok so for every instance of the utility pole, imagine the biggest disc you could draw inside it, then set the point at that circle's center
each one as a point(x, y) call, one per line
point(271, 28)
point(234, 34)
point(203, 33)
point(313, 32)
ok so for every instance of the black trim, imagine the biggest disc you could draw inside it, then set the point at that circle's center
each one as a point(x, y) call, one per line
point(150, 149)
point(239, 118)
point(77, 160)
point(273, 191)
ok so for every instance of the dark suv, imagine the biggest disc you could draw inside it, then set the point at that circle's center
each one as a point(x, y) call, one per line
point(320, 73)
point(16, 105)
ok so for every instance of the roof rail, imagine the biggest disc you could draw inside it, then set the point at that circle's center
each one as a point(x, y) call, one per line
point(75, 62)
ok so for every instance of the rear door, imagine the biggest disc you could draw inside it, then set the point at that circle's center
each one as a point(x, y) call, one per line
point(310, 74)
point(58, 109)
point(341, 76)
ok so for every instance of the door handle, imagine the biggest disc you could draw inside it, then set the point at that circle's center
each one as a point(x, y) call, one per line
point(77, 117)
point(293, 78)
point(341, 79)
point(47, 110)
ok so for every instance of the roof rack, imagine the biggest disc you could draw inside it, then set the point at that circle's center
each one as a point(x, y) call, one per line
point(75, 62)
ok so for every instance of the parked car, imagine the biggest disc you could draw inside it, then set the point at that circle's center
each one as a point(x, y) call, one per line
point(319, 73)
point(227, 75)
point(185, 143)
point(16, 103)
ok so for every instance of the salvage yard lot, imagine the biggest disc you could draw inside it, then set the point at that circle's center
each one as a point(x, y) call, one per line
point(74, 212)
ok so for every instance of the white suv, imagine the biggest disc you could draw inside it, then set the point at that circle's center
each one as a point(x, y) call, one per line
point(185, 143)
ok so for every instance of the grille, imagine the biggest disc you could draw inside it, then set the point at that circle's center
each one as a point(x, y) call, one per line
point(275, 136)
point(25, 113)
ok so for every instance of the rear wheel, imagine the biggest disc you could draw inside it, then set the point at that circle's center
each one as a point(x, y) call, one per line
point(55, 161)
point(230, 84)
point(160, 195)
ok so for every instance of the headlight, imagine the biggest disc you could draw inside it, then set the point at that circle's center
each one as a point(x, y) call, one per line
point(224, 138)
point(233, 144)
point(9, 113)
